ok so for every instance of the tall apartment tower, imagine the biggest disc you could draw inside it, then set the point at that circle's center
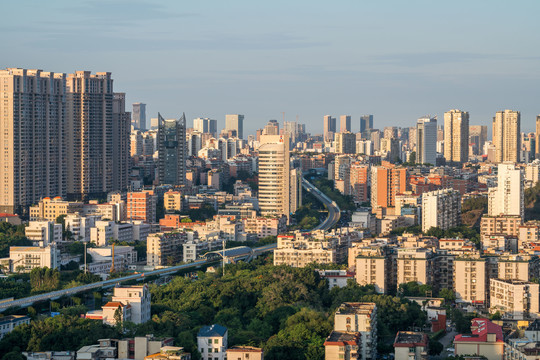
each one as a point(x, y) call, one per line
point(89, 137)
point(139, 116)
point(345, 143)
point(538, 137)
point(366, 122)
point(32, 124)
point(456, 136)
point(508, 197)
point(426, 140)
point(172, 147)
point(507, 136)
point(345, 123)
point(441, 209)
point(274, 175)
point(478, 136)
point(235, 122)
point(387, 180)
point(329, 126)
point(272, 128)
point(121, 142)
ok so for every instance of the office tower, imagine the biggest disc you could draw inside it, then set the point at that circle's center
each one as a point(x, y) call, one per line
point(154, 123)
point(456, 136)
point(506, 136)
point(538, 137)
point(274, 175)
point(387, 181)
point(345, 123)
point(508, 197)
point(329, 127)
point(172, 149)
point(366, 122)
point(205, 125)
point(139, 116)
point(272, 128)
point(345, 143)
point(32, 120)
point(89, 135)
point(426, 140)
point(194, 143)
point(121, 142)
point(478, 137)
point(390, 132)
point(441, 209)
point(235, 122)
point(375, 138)
point(291, 128)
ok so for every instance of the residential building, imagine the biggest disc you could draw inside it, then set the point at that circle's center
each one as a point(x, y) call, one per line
point(501, 224)
point(507, 136)
point(441, 209)
point(537, 138)
point(80, 225)
point(51, 209)
point(387, 181)
point(235, 122)
point(456, 136)
point(426, 141)
point(295, 193)
point(138, 297)
point(121, 152)
point(343, 345)
point(32, 118)
point(114, 312)
point(471, 279)
point(301, 249)
point(89, 136)
point(373, 267)
point(172, 148)
point(274, 175)
point(26, 258)
point(10, 322)
point(139, 116)
point(360, 318)
point(359, 177)
point(514, 299)
point(142, 206)
point(272, 128)
point(366, 123)
point(170, 353)
point(508, 197)
point(43, 233)
point(265, 226)
point(345, 143)
point(212, 342)
point(478, 137)
point(415, 264)
point(486, 340)
point(164, 248)
point(245, 353)
point(172, 201)
point(410, 345)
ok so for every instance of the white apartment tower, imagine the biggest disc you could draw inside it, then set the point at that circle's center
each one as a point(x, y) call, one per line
point(426, 140)
point(32, 124)
point(507, 136)
point(274, 175)
point(441, 208)
point(456, 136)
point(508, 197)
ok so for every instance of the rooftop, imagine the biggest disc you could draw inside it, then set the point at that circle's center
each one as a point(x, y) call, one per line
point(356, 308)
point(410, 338)
point(212, 331)
point(340, 337)
point(244, 349)
point(481, 327)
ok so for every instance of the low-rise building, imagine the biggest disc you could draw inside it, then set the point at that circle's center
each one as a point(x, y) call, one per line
point(165, 248)
point(337, 278)
point(245, 353)
point(410, 345)
point(170, 353)
point(212, 342)
point(265, 226)
point(343, 345)
point(359, 318)
point(10, 322)
point(43, 233)
point(514, 299)
point(26, 258)
point(138, 297)
point(486, 340)
point(172, 201)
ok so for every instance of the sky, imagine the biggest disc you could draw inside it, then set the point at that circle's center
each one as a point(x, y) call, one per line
point(397, 60)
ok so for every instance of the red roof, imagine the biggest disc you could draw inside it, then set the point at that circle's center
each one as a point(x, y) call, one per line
point(114, 304)
point(3, 215)
point(481, 327)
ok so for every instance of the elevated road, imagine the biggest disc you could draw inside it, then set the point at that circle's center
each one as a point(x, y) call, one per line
point(334, 213)
point(28, 301)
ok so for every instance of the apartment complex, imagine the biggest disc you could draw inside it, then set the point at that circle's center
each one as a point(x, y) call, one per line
point(121, 151)
point(172, 148)
point(345, 143)
point(426, 141)
point(387, 181)
point(515, 299)
point(142, 206)
point(410, 345)
point(508, 197)
point(361, 318)
point(164, 248)
point(441, 208)
point(507, 136)
point(456, 136)
point(26, 258)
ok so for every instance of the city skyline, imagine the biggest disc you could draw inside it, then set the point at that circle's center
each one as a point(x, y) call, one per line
point(240, 59)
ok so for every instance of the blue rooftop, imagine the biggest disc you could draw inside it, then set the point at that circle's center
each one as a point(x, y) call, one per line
point(212, 331)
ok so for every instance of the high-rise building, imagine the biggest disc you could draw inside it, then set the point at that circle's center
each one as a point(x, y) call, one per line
point(538, 137)
point(274, 175)
point(205, 125)
point(89, 136)
point(478, 137)
point(121, 142)
point(272, 128)
point(508, 197)
point(359, 318)
point(345, 143)
point(359, 181)
point(426, 140)
point(290, 127)
point(172, 151)
point(366, 122)
point(295, 193)
point(386, 182)
point(329, 127)
point(32, 124)
point(235, 122)
point(139, 116)
point(456, 136)
point(441, 209)
point(345, 123)
point(506, 136)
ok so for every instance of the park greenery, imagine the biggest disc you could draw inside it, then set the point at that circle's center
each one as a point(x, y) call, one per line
point(287, 311)
point(11, 235)
point(532, 202)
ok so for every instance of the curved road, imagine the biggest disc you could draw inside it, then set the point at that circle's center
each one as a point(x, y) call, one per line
point(334, 214)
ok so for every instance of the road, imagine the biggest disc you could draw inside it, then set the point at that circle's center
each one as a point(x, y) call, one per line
point(28, 301)
point(334, 213)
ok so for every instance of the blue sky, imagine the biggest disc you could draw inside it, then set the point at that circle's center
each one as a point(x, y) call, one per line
point(398, 60)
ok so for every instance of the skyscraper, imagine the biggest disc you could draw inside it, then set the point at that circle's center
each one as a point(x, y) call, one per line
point(121, 142)
point(205, 125)
point(32, 125)
point(89, 137)
point(290, 128)
point(272, 128)
point(366, 122)
point(441, 209)
point(538, 137)
point(478, 136)
point(426, 140)
point(172, 150)
point(329, 127)
point(456, 136)
point(345, 123)
point(508, 197)
point(506, 136)
point(139, 116)
point(235, 122)
point(274, 175)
